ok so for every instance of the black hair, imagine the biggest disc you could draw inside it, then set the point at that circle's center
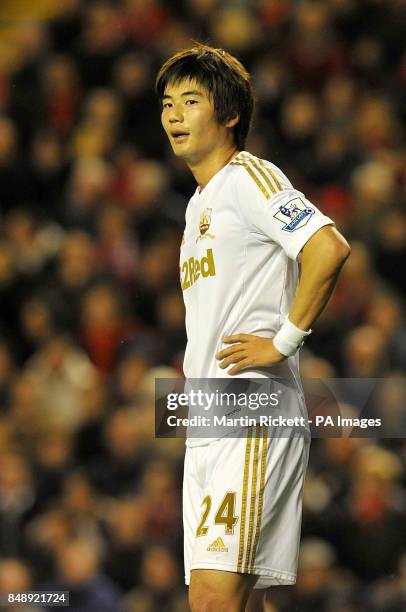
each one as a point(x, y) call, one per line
point(222, 75)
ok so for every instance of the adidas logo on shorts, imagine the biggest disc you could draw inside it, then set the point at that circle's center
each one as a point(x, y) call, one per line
point(217, 546)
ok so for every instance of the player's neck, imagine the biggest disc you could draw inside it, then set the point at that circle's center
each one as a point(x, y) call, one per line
point(204, 170)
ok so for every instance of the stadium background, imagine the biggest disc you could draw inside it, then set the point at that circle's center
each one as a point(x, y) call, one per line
point(92, 205)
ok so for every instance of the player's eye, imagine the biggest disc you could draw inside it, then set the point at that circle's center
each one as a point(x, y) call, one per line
point(166, 104)
point(191, 102)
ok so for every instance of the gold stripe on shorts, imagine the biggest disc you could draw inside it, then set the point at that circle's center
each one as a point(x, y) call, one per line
point(253, 499)
point(261, 498)
point(244, 499)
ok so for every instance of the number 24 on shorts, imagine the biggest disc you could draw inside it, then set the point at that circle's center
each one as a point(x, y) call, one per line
point(225, 515)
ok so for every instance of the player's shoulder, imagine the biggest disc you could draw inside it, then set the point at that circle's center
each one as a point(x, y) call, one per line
point(260, 175)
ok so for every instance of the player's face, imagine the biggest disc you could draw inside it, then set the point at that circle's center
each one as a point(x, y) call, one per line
point(190, 122)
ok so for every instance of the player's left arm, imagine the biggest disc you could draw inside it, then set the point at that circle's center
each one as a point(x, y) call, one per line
point(322, 258)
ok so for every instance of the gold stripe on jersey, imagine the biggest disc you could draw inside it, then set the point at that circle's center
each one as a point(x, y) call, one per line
point(267, 168)
point(262, 173)
point(272, 173)
point(253, 499)
point(253, 176)
point(247, 161)
point(261, 498)
point(244, 499)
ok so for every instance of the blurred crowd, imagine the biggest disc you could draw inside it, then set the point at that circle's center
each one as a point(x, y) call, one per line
point(92, 207)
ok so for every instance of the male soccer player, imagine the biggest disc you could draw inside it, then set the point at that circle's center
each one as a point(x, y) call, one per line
point(247, 313)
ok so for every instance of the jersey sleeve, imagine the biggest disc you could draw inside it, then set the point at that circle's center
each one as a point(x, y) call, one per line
point(281, 214)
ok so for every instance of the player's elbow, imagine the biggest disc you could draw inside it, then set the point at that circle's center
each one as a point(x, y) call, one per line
point(340, 251)
point(327, 248)
point(333, 247)
point(334, 256)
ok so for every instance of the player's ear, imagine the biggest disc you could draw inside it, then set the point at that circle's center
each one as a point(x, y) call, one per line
point(232, 121)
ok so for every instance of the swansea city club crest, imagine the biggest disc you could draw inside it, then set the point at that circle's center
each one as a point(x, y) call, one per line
point(204, 224)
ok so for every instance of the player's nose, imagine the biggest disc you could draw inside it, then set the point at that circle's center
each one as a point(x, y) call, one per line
point(175, 114)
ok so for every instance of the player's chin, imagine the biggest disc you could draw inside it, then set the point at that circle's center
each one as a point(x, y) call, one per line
point(179, 149)
point(185, 153)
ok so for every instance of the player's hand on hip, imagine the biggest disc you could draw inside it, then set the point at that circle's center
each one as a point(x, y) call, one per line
point(246, 351)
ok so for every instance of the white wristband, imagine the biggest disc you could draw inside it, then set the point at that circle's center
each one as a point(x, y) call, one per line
point(289, 338)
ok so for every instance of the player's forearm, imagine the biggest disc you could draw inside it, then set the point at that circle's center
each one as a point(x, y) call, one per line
point(322, 259)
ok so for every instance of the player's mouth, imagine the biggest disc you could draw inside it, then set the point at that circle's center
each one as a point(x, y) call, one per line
point(180, 136)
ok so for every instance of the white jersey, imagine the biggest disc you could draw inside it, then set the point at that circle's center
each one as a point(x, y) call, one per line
point(238, 262)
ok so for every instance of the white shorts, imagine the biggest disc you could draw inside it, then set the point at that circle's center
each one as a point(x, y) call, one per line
point(242, 505)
